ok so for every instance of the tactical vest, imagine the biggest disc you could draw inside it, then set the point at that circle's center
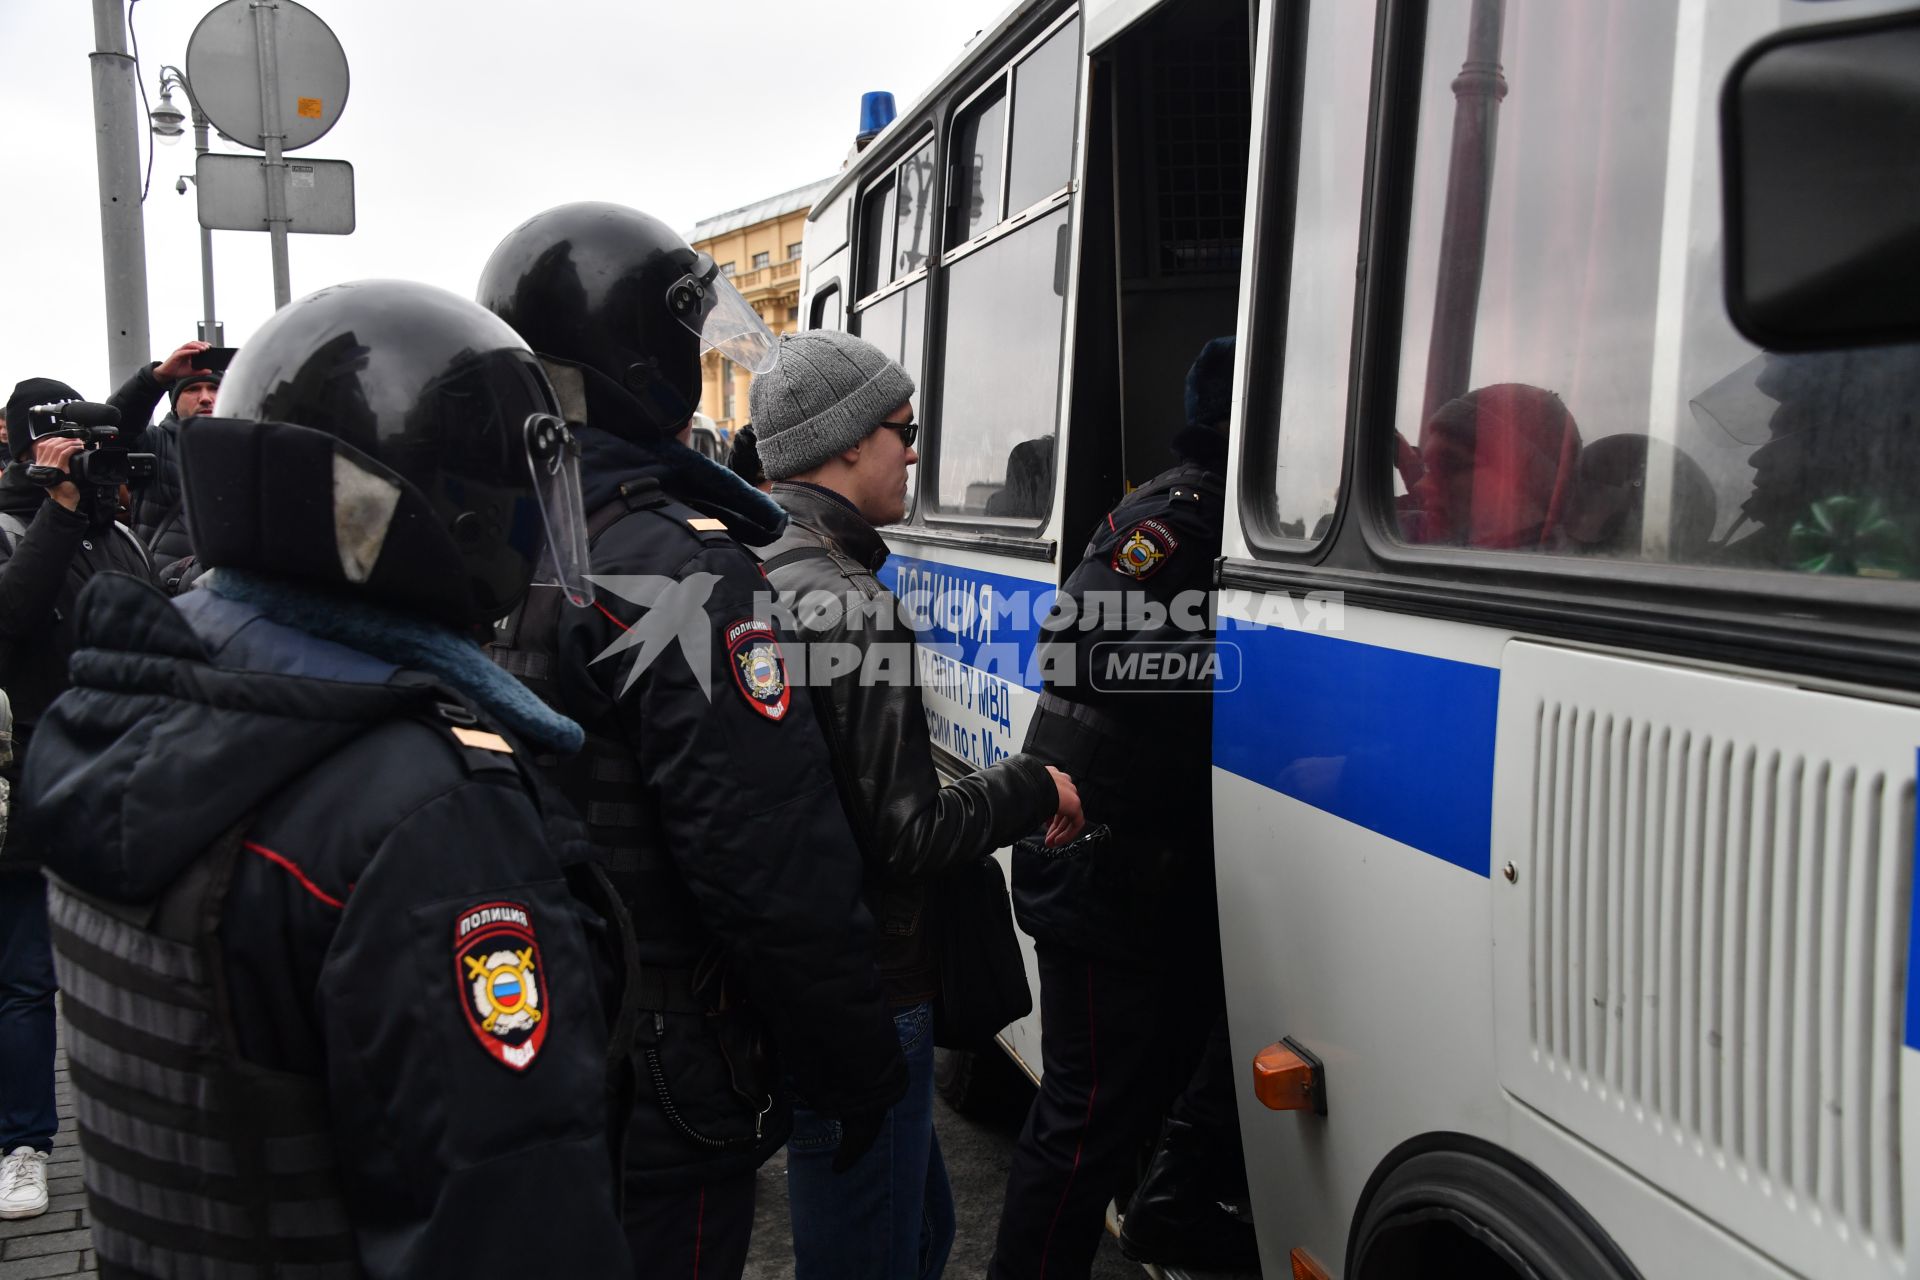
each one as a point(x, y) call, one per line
point(198, 1164)
point(603, 780)
point(682, 973)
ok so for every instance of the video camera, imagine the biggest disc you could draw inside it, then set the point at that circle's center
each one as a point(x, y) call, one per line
point(102, 463)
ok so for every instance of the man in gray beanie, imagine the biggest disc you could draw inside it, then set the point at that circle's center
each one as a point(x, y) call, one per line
point(834, 420)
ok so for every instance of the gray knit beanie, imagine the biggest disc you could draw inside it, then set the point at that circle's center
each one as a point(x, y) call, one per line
point(828, 392)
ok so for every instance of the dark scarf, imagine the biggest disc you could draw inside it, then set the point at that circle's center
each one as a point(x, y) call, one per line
point(608, 461)
point(408, 642)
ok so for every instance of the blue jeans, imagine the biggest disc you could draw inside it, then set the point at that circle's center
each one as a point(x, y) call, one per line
point(27, 1115)
point(890, 1217)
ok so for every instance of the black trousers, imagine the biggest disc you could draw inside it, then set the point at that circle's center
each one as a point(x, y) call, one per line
point(1208, 1107)
point(698, 1234)
point(1117, 1045)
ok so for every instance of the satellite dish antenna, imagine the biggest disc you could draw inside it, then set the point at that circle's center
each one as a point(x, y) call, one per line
point(305, 64)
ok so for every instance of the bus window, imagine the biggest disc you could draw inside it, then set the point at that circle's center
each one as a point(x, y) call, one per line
point(1313, 405)
point(1569, 383)
point(826, 310)
point(897, 324)
point(1006, 286)
point(913, 220)
point(895, 244)
point(1005, 309)
point(979, 146)
point(1043, 102)
point(876, 239)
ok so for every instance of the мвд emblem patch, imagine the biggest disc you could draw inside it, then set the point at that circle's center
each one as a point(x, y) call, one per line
point(501, 980)
point(758, 669)
point(1143, 548)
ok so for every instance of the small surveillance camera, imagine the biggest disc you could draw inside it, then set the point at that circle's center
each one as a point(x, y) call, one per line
point(180, 184)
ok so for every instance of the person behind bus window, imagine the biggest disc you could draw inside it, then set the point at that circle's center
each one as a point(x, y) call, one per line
point(1494, 470)
point(1607, 512)
point(1124, 1023)
point(1029, 483)
point(1839, 449)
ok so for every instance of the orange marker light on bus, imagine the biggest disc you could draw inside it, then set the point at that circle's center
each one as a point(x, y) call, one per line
point(1306, 1266)
point(1288, 1078)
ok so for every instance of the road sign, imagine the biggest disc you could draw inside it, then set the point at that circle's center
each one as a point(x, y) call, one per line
point(233, 194)
point(223, 68)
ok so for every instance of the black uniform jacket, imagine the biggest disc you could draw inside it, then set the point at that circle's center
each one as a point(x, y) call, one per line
point(372, 839)
point(1137, 742)
point(735, 789)
point(910, 827)
point(41, 576)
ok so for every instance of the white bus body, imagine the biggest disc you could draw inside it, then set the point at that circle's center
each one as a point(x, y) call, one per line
point(1578, 842)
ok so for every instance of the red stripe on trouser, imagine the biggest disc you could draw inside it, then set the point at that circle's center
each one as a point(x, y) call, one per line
point(1093, 1092)
point(699, 1222)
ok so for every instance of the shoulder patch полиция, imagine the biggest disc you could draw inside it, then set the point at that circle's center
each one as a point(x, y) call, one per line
point(1142, 548)
point(759, 672)
point(499, 976)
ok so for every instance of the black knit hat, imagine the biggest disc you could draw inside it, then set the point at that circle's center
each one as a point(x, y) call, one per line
point(27, 393)
point(210, 377)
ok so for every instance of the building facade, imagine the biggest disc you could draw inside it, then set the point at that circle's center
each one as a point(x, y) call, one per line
point(759, 248)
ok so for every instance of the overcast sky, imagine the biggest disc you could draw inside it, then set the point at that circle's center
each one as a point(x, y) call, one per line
point(462, 120)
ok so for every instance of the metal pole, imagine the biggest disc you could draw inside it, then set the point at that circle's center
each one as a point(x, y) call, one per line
point(1477, 92)
point(273, 168)
point(211, 326)
point(123, 237)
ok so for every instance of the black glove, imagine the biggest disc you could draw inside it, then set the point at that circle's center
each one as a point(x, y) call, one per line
point(858, 1130)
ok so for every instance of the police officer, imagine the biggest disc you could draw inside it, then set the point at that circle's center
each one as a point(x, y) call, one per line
point(331, 1000)
point(705, 781)
point(1124, 1017)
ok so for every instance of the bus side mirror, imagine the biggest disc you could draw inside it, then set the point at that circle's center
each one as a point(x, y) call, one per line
point(1820, 148)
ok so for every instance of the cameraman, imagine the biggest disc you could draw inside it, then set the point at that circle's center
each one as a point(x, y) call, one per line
point(159, 516)
point(52, 541)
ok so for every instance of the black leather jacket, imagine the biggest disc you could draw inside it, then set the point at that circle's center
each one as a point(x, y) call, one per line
point(910, 828)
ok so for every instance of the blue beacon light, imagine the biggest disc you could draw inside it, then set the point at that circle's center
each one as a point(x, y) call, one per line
point(876, 113)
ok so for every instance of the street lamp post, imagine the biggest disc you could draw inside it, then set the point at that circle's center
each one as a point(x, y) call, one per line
point(123, 245)
point(166, 120)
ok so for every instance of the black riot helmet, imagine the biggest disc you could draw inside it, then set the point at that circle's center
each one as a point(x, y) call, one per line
point(393, 439)
point(620, 296)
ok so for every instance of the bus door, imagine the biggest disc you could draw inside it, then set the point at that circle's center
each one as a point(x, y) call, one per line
point(1170, 110)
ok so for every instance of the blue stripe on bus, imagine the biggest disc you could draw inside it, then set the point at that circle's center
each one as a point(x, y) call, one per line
point(970, 611)
point(1913, 940)
point(1399, 743)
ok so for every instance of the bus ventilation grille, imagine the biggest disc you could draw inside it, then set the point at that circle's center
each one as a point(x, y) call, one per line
point(1716, 921)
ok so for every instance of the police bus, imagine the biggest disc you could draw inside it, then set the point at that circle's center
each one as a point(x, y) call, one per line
point(1565, 821)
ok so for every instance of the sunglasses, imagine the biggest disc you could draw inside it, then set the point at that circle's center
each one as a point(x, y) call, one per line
point(909, 431)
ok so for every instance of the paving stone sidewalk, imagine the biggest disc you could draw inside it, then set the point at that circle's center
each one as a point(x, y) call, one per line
point(57, 1243)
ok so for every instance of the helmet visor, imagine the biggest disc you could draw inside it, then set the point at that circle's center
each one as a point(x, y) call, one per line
point(554, 456)
point(707, 303)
